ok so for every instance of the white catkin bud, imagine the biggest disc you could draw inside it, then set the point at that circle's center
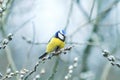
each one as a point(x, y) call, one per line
point(4, 6)
point(75, 65)
point(118, 64)
point(37, 76)
point(66, 77)
point(22, 72)
point(8, 70)
point(5, 41)
point(75, 59)
point(25, 70)
point(10, 36)
point(70, 67)
point(42, 71)
point(111, 58)
point(1, 10)
point(11, 74)
point(70, 71)
point(105, 53)
point(17, 72)
point(21, 76)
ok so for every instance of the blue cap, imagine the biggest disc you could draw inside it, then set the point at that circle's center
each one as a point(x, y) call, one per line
point(62, 32)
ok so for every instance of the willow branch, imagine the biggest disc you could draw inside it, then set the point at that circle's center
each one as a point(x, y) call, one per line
point(64, 50)
point(7, 49)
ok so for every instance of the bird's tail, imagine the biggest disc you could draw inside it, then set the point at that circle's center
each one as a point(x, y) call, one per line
point(43, 55)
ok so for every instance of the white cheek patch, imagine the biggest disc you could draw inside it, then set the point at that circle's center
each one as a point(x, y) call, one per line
point(60, 36)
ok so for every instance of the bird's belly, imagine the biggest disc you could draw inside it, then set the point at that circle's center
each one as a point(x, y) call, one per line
point(55, 42)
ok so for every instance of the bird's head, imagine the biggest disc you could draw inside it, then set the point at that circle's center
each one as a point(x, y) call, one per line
point(60, 34)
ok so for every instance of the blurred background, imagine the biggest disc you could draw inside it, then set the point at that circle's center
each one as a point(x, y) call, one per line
point(91, 26)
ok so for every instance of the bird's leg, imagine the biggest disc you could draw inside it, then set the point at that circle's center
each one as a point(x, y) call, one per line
point(57, 49)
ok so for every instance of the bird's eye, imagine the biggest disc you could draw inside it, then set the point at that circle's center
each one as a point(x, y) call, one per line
point(60, 36)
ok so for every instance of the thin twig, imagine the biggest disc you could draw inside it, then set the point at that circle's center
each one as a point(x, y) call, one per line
point(74, 43)
point(33, 26)
point(23, 25)
point(34, 70)
point(7, 49)
point(82, 10)
point(91, 11)
point(99, 15)
point(7, 12)
point(28, 53)
point(69, 15)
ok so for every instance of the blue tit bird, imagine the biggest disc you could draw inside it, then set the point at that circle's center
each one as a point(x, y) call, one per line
point(56, 43)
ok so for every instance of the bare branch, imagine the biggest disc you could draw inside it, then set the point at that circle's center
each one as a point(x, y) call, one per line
point(99, 16)
point(112, 59)
point(91, 11)
point(28, 53)
point(64, 50)
point(5, 41)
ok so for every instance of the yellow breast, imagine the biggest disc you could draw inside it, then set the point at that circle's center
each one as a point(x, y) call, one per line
point(54, 42)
